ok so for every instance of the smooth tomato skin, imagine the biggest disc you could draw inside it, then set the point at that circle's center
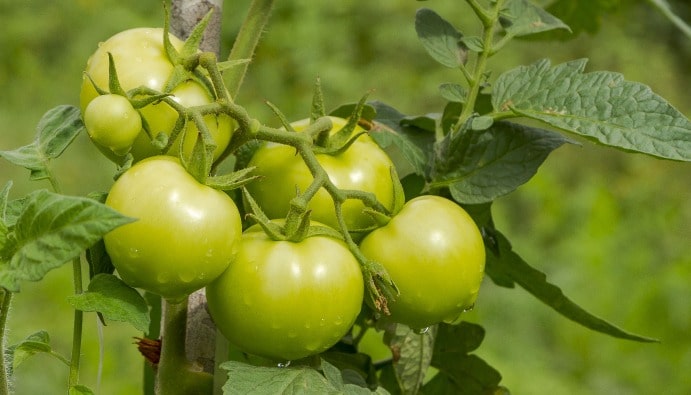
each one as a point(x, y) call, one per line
point(112, 122)
point(434, 253)
point(185, 235)
point(284, 300)
point(364, 166)
point(140, 60)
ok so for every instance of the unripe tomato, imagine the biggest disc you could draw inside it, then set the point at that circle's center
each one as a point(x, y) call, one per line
point(363, 166)
point(140, 60)
point(434, 253)
point(185, 235)
point(112, 122)
point(287, 300)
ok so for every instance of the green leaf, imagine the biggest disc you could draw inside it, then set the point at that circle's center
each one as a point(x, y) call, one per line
point(522, 18)
point(532, 280)
point(601, 106)
point(453, 92)
point(412, 355)
point(473, 43)
point(55, 131)
point(459, 371)
point(441, 40)
point(51, 230)
point(115, 300)
point(38, 342)
point(247, 379)
point(408, 145)
point(345, 110)
point(356, 368)
point(480, 166)
point(98, 259)
point(96, 256)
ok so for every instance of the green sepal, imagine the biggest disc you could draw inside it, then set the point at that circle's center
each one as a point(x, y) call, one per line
point(281, 117)
point(327, 231)
point(317, 110)
point(336, 142)
point(171, 52)
point(113, 80)
point(296, 229)
point(191, 46)
point(273, 230)
point(234, 180)
point(201, 160)
point(96, 87)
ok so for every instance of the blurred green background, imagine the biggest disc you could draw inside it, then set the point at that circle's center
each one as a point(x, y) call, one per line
point(612, 229)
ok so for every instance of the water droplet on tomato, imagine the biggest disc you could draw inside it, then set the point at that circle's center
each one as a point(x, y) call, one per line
point(133, 252)
point(187, 277)
point(163, 277)
point(283, 364)
point(469, 308)
point(292, 334)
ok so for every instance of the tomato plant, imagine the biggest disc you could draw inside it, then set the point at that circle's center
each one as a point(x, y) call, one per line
point(362, 166)
point(434, 253)
point(287, 300)
point(141, 61)
point(362, 290)
point(185, 235)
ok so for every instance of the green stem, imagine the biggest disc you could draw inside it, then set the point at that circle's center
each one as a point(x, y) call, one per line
point(77, 326)
point(6, 299)
point(246, 42)
point(78, 321)
point(175, 375)
point(489, 24)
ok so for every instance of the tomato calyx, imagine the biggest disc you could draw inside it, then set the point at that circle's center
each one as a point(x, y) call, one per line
point(296, 227)
point(335, 143)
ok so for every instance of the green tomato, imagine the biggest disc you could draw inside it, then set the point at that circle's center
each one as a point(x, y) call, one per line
point(112, 122)
point(363, 166)
point(287, 300)
point(140, 60)
point(185, 235)
point(434, 253)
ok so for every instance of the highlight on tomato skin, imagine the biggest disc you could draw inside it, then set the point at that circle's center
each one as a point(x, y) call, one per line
point(186, 233)
point(287, 300)
point(140, 60)
point(434, 252)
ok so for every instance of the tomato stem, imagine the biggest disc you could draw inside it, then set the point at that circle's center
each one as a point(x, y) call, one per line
point(5, 301)
point(489, 23)
point(77, 326)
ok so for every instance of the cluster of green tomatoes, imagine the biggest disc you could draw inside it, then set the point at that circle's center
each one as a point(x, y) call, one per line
point(275, 297)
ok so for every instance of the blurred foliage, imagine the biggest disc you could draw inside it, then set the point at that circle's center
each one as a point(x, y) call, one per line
point(612, 229)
